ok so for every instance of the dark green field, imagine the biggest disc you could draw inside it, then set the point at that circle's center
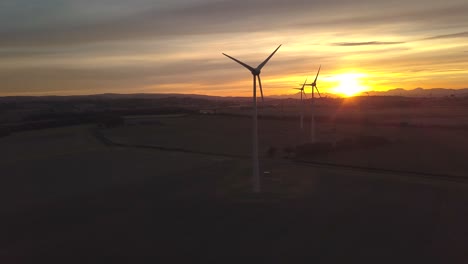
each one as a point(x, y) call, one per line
point(67, 192)
point(435, 150)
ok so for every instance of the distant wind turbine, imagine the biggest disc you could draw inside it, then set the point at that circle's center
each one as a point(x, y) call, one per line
point(302, 103)
point(256, 74)
point(312, 110)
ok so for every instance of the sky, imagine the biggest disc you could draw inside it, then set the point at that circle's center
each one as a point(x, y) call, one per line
point(65, 47)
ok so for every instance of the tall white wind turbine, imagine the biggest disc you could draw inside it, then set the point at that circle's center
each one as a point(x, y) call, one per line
point(302, 103)
point(312, 110)
point(256, 74)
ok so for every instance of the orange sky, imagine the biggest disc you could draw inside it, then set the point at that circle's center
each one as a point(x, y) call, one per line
point(176, 46)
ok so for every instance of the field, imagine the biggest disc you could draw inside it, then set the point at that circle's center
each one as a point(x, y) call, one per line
point(88, 191)
point(418, 149)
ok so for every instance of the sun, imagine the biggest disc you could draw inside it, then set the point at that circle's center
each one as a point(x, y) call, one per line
point(349, 84)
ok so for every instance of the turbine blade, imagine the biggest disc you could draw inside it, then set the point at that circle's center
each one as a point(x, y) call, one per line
point(298, 89)
point(317, 74)
point(240, 62)
point(259, 67)
point(318, 91)
point(305, 95)
point(305, 82)
point(261, 89)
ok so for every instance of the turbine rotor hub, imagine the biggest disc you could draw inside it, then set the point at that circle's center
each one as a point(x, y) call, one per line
point(255, 72)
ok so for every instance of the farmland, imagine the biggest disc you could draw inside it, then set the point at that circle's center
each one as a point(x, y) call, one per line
point(419, 149)
point(181, 187)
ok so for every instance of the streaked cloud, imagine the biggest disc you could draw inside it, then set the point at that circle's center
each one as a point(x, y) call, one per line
point(65, 46)
point(449, 36)
point(368, 43)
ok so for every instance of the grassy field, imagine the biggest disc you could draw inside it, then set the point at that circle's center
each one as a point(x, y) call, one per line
point(349, 111)
point(85, 198)
point(419, 149)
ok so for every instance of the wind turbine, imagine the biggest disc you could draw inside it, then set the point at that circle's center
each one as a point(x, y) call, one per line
point(312, 117)
point(302, 103)
point(256, 74)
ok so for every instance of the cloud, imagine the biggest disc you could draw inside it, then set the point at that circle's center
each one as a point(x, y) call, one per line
point(368, 43)
point(117, 44)
point(449, 36)
point(218, 17)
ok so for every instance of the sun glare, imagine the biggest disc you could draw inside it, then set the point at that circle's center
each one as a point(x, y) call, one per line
point(349, 84)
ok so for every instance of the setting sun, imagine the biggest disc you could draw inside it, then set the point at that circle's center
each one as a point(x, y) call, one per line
point(349, 84)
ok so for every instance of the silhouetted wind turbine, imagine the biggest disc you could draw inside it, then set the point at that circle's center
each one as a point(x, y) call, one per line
point(312, 117)
point(256, 74)
point(302, 103)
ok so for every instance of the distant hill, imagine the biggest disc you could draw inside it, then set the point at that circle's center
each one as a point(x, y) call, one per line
point(421, 92)
point(166, 95)
point(418, 92)
point(118, 96)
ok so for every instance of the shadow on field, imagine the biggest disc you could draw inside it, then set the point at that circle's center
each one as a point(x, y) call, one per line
point(325, 227)
point(114, 201)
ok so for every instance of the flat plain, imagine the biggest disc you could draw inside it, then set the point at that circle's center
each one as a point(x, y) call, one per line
point(181, 188)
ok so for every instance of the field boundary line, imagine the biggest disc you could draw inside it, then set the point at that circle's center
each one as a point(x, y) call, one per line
point(107, 141)
point(454, 178)
point(420, 174)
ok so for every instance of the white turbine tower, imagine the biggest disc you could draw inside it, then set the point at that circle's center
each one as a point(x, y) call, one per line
point(302, 104)
point(256, 74)
point(312, 110)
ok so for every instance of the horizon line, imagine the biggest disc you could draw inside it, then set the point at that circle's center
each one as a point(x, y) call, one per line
point(229, 96)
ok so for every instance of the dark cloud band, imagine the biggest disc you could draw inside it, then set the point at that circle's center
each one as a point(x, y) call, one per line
point(368, 43)
point(449, 36)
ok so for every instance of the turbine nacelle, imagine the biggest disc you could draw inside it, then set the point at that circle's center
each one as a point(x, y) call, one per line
point(255, 71)
point(302, 87)
point(314, 83)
